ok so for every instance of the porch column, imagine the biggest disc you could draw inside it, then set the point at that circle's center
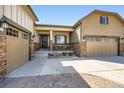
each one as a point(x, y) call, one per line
point(51, 40)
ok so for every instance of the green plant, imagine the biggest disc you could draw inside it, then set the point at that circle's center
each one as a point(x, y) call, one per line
point(70, 54)
point(64, 53)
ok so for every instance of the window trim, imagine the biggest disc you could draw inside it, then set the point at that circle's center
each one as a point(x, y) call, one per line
point(106, 20)
point(60, 43)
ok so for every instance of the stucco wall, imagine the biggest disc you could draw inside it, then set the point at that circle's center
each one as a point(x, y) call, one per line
point(17, 52)
point(61, 33)
point(75, 35)
point(54, 28)
point(92, 26)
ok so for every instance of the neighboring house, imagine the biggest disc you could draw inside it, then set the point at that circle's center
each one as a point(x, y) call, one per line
point(100, 33)
point(19, 21)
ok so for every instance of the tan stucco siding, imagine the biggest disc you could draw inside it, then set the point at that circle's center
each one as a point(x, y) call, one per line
point(42, 32)
point(75, 35)
point(1, 10)
point(17, 52)
point(91, 25)
point(61, 33)
point(65, 29)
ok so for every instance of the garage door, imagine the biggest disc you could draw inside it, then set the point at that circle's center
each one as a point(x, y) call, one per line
point(98, 46)
point(17, 52)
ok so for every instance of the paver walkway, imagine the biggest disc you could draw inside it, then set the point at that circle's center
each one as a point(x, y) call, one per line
point(111, 68)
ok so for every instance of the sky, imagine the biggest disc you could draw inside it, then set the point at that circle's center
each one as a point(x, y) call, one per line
point(69, 14)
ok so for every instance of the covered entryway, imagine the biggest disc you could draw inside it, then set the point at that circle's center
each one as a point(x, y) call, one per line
point(45, 41)
point(102, 46)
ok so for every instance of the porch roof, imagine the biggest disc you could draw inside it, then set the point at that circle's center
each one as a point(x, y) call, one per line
point(47, 27)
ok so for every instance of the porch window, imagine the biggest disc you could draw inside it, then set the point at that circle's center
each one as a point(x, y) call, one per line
point(60, 39)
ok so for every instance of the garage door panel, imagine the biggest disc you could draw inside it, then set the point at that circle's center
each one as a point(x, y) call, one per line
point(104, 47)
point(17, 52)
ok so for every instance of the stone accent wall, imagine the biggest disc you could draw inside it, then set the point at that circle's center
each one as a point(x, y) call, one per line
point(122, 49)
point(32, 49)
point(83, 49)
point(36, 46)
point(3, 60)
point(80, 49)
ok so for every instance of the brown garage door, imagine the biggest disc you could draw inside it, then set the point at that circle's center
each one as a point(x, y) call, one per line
point(17, 52)
point(98, 46)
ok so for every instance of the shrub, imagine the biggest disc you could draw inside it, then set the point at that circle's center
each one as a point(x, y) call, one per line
point(70, 54)
point(64, 53)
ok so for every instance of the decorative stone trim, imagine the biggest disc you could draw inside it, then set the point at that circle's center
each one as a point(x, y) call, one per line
point(3, 60)
point(122, 49)
point(83, 46)
point(36, 46)
point(32, 49)
point(51, 45)
point(80, 49)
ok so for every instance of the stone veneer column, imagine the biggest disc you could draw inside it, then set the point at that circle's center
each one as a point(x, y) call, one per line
point(121, 48)
point(3, 59)
point(2, 49)
point(80, 49)
point(51, 40)
point(83, 50)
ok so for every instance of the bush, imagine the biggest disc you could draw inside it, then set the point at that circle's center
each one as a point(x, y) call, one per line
point(70, 54)
point(64, 53)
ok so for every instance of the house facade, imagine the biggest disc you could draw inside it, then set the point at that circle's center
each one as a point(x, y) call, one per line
point(100, 33)
point(17, 27)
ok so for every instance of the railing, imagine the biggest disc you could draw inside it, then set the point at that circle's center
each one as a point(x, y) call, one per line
point(65, 47)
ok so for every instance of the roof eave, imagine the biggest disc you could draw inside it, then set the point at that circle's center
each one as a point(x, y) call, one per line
point(53, 25)
point(33, 12)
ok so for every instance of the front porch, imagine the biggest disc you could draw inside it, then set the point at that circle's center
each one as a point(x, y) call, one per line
point(54, 38)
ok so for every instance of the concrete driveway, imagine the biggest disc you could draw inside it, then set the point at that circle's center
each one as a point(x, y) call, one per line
point(111, 68)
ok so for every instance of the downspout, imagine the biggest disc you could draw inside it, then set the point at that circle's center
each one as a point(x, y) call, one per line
point(118, 40)
point(30, 49)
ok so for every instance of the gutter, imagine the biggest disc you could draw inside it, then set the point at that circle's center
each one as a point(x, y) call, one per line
point(32, 12)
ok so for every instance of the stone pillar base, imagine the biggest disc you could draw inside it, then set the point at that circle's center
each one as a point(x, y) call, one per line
point(51, 45)
point(80, 49)
point(122, 49)
point(3, 60)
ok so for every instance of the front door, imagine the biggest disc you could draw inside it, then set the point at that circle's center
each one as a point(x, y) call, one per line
point(44, 41)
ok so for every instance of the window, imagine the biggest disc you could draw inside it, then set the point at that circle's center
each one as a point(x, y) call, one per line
point(106, 39)
point(103, 20)
point(24, 36)
point(98, 39)
point(11, 32)
point(60, 40)
point(90, 39)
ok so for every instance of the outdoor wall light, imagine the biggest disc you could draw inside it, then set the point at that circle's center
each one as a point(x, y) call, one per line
point(3, 23)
